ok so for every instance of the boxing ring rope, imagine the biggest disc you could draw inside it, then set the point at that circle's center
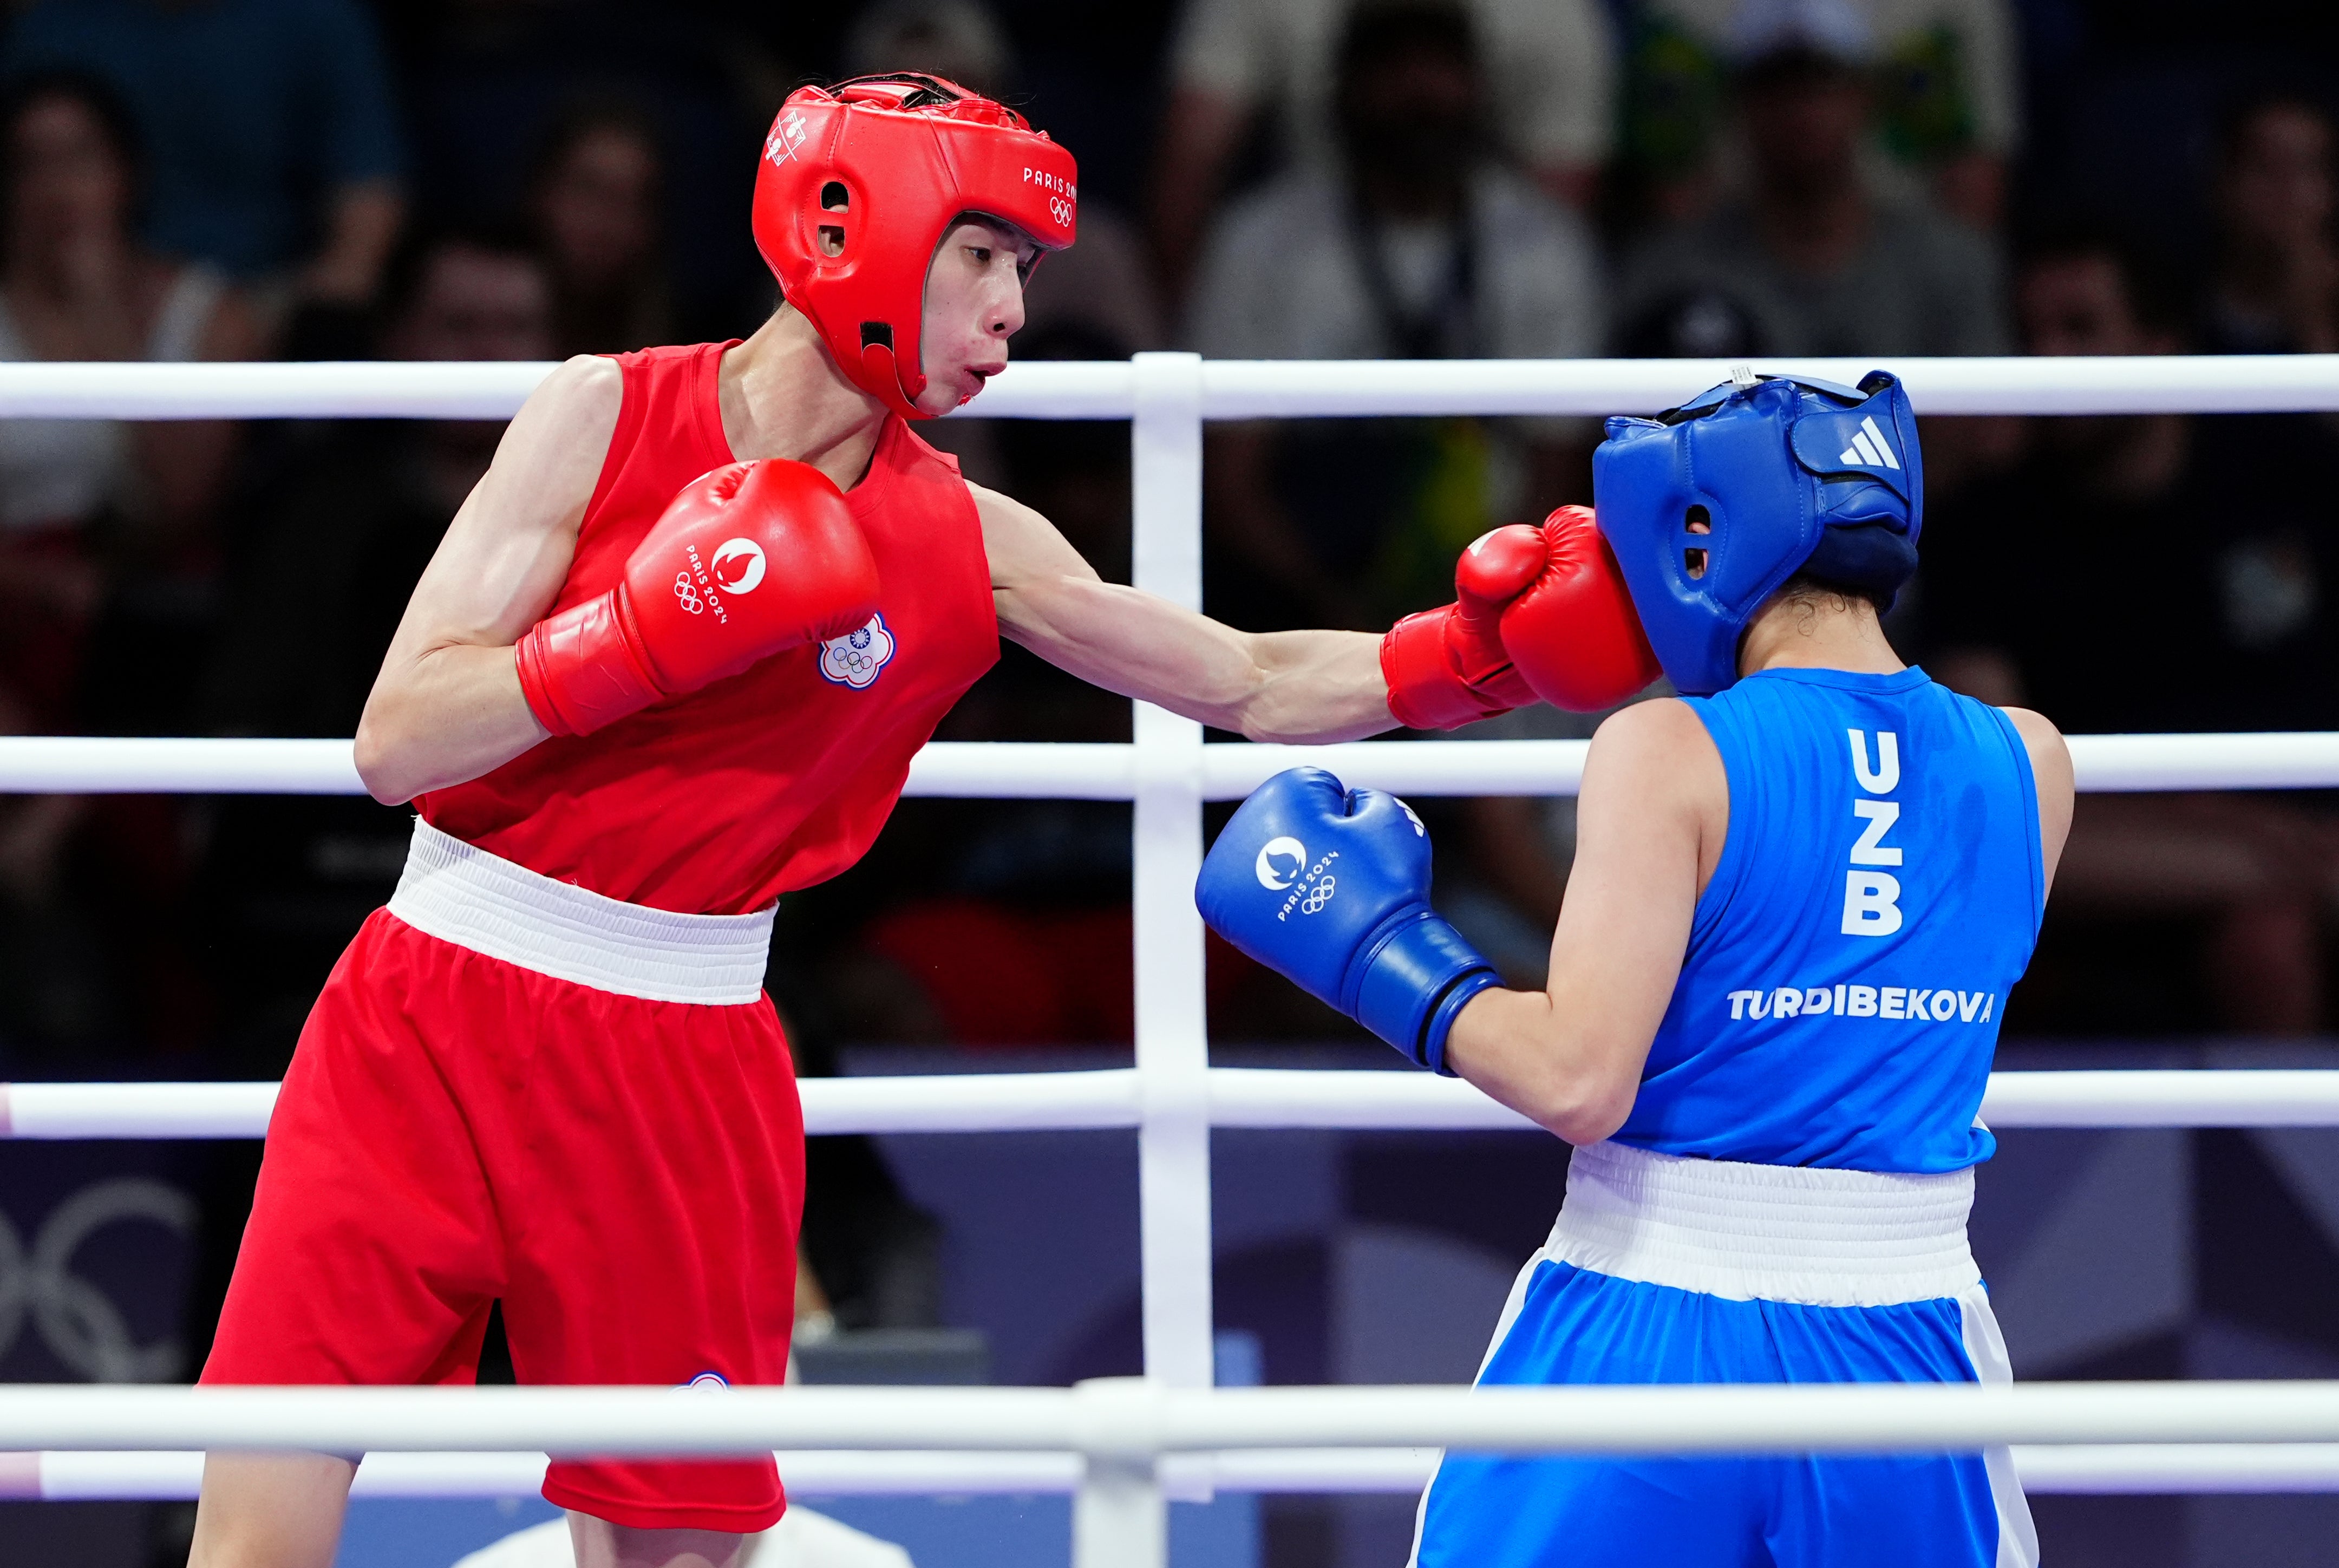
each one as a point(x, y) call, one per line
point(84, 764)
point(2086, 1469)
point(1226, 388)
point(1172, 1097)
point(1285, 1099)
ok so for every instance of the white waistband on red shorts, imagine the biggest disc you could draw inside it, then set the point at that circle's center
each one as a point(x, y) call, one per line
point(1766, 1232)
point(461, 894)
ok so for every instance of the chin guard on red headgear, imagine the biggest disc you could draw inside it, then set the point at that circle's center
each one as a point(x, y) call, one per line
point(858, 185)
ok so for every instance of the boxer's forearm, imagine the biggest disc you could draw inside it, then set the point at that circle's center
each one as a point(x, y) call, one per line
point(1517, 1049)
point(445, 716)
point(1310, 686)
point(1291, 686)
point(1298, 686)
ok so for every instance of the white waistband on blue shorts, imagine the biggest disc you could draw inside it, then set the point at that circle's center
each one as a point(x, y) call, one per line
point(461, 894)
point(1766, 1232)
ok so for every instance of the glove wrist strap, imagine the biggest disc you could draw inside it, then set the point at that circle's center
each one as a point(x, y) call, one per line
point(580, 669)
point(1424, 692)
point(1415, 981)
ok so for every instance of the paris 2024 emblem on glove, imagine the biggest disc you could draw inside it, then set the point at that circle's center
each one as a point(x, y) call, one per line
point(1329, 887)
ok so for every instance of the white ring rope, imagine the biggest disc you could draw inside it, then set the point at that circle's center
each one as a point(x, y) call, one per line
point(1282, 1097)
point(1033, 1438)
point(1136, 1420)
point(84, 764)
point(158, 1475)
point(1229, 389)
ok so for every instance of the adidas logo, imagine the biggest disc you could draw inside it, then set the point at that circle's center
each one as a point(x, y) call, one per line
point(1869, 448)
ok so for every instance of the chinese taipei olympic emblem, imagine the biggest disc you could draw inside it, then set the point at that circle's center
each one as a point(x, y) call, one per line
point(855, 658)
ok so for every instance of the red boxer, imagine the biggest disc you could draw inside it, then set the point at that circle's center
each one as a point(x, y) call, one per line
point(640, 692)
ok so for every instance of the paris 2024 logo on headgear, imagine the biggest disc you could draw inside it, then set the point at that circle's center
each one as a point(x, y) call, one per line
point(856, 658)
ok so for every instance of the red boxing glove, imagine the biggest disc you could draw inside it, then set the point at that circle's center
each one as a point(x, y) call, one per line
point(748, 561)
point(1573, 633)
point(1448, 667)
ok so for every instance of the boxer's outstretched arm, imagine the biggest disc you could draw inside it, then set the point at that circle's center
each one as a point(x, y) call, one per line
point(1649, 824)
point(1267, 686)
point(447, 706)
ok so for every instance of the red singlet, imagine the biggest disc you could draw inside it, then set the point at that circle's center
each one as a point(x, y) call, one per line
point(780, 777)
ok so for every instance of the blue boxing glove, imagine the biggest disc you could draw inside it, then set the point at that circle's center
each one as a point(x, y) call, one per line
point(1329, 888)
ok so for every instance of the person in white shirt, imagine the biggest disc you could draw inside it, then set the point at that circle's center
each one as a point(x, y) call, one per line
point(1419, 242)
point(1947, 115)
point(1549, 80)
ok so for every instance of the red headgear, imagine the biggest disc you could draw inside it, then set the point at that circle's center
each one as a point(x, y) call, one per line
point(858, 185)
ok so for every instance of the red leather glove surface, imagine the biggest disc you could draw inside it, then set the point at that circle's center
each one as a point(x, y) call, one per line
point(1573, 634)
point(1448, 667)
point(748, 561)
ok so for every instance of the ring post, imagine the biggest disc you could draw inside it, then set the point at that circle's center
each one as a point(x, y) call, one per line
point(1173, 1137)
point(1120, 1518)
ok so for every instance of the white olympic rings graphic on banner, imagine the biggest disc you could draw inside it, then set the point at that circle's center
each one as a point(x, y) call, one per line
point(76, 1319)
point(1317, 896)
point(687, 592)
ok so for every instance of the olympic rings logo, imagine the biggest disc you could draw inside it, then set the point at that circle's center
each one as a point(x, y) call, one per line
point(1060, 210)
point(1317, 896)
point(76, 1319)
point(687, 592)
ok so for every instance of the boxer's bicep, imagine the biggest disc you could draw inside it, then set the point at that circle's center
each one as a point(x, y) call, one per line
point(447, 704)
point(2052, 776)
point(503, 558)
point(1624, 923)
point(1572, 1056)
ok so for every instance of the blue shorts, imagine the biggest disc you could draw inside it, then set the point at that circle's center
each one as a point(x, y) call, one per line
point(1568, 1323)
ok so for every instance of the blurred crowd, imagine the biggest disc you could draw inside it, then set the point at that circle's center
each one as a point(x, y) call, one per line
point(460, 180)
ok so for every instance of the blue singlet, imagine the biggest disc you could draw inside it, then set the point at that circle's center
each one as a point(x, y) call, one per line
point(1877, 895)
point(1786, 1203)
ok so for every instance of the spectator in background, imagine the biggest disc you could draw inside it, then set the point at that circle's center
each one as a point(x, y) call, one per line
point(1243, 67)
point(1420, 243)
point(595, 200)
point(2276, 289)
point(273, 143)
point(1947, 103)
point(79, 496)
point(2160, 572)
point(490, 81)
point(92, 512)
point(1819, 263)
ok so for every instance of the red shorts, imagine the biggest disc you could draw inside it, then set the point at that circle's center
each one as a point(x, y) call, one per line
point(624, 1172)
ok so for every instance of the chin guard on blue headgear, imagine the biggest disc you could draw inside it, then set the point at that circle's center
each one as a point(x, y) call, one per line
point(1711, 507)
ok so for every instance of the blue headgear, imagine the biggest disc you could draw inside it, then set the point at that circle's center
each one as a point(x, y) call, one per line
point(1785, 475)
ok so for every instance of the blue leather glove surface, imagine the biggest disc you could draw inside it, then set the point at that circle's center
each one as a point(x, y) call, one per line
point(1329, 888)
